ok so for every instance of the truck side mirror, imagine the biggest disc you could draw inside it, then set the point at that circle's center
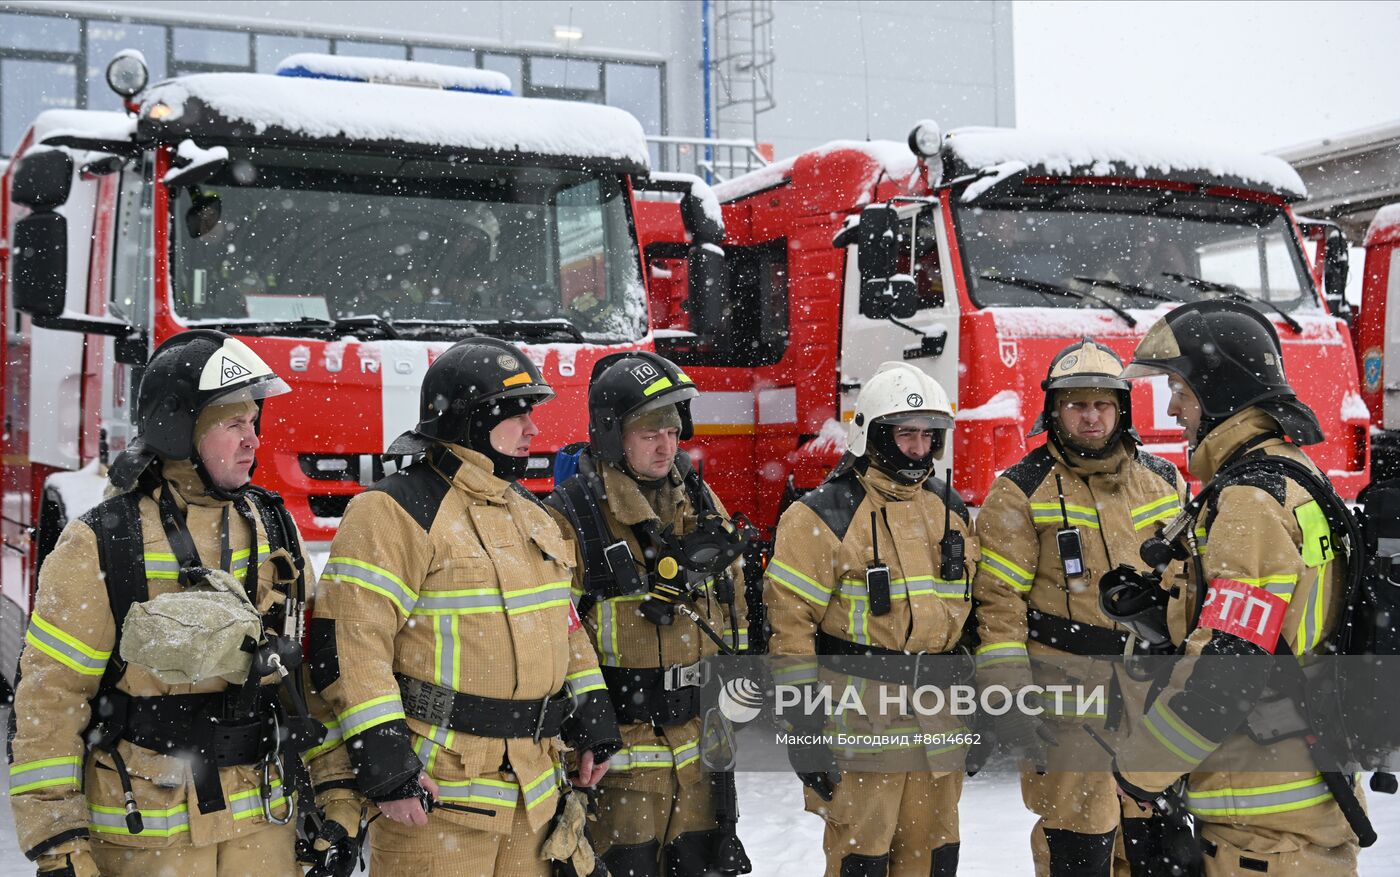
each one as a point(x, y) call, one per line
point(702, 226)
point(40, 254)
point(705, 270)
point(878, 240)
point(42, 179)
point(1336, 263)
point(883, 293)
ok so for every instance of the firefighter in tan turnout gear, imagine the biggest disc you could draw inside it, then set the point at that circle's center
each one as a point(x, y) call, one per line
point(445, 640)
point(1070, 511)
point(877, 562)
point(1262, 539)
point(151, 735)
point(659, 586)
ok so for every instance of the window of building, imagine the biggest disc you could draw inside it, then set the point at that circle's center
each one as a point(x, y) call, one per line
point(199, 49)
point(451, 57)
point(511, 65)
point(39, 33)
point(636, 88)
point(27, 88)
point(371, 50)
point(273, 49)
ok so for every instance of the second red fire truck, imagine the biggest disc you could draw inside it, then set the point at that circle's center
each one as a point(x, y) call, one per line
point(977, 255)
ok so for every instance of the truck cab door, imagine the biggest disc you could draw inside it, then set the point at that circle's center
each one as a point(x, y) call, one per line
point(929, 338)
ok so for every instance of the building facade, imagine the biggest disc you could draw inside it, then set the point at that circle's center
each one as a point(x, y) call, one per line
point(784, 72)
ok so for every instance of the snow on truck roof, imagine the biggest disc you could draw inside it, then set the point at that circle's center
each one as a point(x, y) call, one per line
point(892, 158)
point(93, 124)
point(972, 149)
point(294, 108)
point(1387, 219)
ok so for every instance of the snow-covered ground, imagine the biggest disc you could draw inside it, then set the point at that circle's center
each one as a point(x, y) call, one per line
point(783, 841)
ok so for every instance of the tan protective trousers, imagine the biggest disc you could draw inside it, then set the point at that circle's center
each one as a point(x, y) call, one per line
point(1087, 803)
point(1229, 860)
point(445, 849)
point(904, 815)
point(626, 817)
point(268, 852)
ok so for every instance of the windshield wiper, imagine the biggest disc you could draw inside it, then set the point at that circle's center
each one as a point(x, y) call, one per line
point(316, 326)
point(530, 329)
point(1235, 293)
point(1130, 288)
point(1044, 287)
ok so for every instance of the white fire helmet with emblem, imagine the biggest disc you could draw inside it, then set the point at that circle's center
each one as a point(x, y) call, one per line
point(898, 392)
point(188, 373)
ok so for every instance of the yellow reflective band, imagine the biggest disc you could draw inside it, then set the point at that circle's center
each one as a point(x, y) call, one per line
point(591, 680)
point(685, 378)
point(372, 578)
point(371, 713)
point(64, 648)
point(46, 773)
point(1259, 800)
point(657, 386)
point(1007, 571)
point(516, 380)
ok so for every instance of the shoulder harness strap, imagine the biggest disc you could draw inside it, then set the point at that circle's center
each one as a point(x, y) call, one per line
point(116, 523)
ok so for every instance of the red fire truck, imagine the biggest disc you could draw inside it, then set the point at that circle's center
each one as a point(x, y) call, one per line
point(348, 219)
point(977, 255)
point(1377, 332)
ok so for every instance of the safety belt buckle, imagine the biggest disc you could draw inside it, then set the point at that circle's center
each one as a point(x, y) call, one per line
point(679, 676)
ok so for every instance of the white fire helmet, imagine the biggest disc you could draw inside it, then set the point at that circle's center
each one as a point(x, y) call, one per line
point(897, 390)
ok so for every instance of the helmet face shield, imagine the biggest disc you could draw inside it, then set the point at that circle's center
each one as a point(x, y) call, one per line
point(254, 392)
point(918, 420)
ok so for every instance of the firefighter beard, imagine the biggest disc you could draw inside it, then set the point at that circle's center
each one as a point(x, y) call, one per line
point(878, 821)
point(445, 641)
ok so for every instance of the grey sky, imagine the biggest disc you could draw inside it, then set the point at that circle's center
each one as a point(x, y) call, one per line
point(1260, 75)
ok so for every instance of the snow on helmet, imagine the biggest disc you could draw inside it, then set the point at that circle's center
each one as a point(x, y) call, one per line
point(899, 391)
point(188, 373)
point(625, 385)
point(1087, 365)
point(1229, 355)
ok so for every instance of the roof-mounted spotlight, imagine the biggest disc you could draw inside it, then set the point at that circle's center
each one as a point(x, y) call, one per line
point(127, 74)
point(568, 33)
point(926, 139)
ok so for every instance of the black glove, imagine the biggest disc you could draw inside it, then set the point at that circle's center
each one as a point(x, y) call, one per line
point(816, 767)
point(335, 853)
point(1025, 735)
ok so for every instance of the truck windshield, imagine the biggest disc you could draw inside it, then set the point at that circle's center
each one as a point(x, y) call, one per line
point(1130, 250)
point(281, 241)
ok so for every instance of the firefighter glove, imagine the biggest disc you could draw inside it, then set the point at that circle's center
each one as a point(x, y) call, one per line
point(568, 839)
point(816, 767)
point(336, 848)
point(1025, 734)
point(189, 636)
